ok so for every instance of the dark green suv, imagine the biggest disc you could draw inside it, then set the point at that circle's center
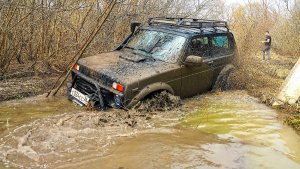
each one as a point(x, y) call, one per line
point(184, 57)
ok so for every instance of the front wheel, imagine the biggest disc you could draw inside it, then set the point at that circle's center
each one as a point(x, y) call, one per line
point(158, 101)
point(223, 81)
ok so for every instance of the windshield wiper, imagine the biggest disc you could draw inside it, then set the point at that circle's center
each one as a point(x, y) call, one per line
point(143, 50)
point(129, 47)
point(152, 58)
point(148, 54)
point(134, 50)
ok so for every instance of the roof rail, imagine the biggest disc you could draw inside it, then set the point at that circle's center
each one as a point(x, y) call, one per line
point(188, 22)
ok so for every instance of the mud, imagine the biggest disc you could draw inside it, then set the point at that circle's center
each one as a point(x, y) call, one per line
point(51, 141)
point(162, 101)
point(225, 130)
point(21, 87)
point(220, 130)
point(74, 134)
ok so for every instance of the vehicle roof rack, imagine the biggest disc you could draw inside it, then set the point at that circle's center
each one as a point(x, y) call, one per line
point(188, 22)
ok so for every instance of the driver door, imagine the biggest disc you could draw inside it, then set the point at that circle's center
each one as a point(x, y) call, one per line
point(197, 79)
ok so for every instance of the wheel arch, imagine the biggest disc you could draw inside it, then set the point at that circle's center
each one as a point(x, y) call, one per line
point(229, 68)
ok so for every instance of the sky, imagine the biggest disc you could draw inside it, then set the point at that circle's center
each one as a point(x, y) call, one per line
point(278, 4)
point(229, 2)
point(234, 1)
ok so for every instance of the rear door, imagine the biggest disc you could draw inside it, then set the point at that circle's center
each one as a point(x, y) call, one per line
point(197, 79)
point(222, 52)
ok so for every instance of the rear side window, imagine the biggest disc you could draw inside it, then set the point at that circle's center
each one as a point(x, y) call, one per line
point(221, 45)
point(200, 46)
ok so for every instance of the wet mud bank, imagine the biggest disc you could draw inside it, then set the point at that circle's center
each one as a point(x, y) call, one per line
point(263, 80)
point(25, 86)
point(220, 130)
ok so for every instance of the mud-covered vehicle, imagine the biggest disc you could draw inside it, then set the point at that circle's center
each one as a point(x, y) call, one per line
point(184, 57)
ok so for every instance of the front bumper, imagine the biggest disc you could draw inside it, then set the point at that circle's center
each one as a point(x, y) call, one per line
point(100, 94)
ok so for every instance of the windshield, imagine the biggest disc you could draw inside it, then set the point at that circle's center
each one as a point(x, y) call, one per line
point(158, 45)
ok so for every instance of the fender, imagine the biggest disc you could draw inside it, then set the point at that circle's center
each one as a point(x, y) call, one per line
point(150, 89)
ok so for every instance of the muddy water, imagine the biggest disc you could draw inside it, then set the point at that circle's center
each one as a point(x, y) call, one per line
point(13, 113)
point(224, 130)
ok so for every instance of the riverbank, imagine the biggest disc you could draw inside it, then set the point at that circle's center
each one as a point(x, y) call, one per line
point(263, 80)
point(26, 86)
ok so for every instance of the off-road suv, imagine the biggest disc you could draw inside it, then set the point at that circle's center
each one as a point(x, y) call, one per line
point(182, 56)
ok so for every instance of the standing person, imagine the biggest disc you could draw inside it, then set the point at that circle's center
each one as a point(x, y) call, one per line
point(267, 46)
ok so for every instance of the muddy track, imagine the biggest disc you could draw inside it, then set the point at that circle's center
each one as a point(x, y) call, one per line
point(54, 141)
point(219, 130)
point(45, 142)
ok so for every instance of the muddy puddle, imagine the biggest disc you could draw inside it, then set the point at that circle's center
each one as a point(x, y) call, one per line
point(222, 130)
point(16, 112)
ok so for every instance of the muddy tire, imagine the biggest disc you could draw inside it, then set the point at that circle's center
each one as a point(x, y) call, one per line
point(223, 81)
point(158, 101)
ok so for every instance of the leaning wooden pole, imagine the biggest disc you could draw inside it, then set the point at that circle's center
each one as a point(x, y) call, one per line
point(67, 66)
point(100, 21)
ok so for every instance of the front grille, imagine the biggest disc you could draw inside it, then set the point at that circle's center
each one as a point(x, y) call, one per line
point(84, 86)
point(90, 89)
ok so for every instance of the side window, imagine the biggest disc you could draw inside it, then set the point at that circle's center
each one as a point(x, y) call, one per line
point(221, 46)
point(200, 46)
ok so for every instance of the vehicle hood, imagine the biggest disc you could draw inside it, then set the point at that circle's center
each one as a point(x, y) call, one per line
point(121, 67)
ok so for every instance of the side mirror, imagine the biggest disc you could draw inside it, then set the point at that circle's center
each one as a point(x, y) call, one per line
point(134, 25)
point(193, 60)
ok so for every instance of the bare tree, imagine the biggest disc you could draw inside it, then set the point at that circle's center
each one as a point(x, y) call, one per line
point(43, 34)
